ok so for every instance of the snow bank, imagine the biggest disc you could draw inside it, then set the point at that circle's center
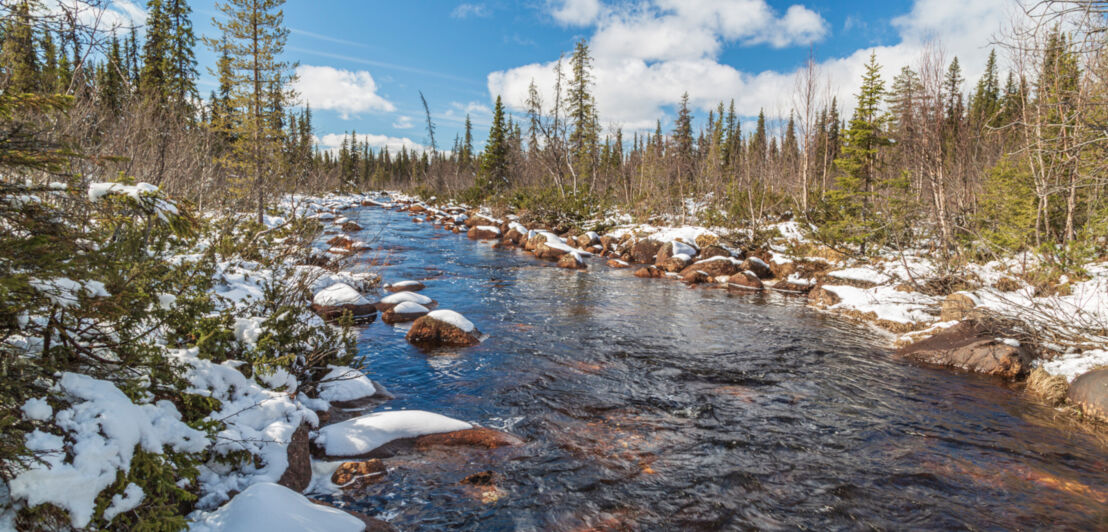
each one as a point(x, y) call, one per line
point(453, 318)
point(345, 384)
point(1074, 365)
point(863, 274)
point(102, 429)
point(885, 302)
point(361, 435)
point(268, 507)
point(339, 294)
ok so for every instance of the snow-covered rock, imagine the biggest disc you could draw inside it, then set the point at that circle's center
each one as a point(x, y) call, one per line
point(268, 507)
point(345, 384)
point(361, 435)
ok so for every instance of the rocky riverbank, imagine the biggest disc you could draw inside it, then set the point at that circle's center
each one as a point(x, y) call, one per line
point(994, 319)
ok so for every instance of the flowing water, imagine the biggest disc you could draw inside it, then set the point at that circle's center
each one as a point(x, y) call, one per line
point(649, 405)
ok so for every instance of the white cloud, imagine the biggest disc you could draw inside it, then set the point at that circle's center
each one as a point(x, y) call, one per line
point(574, 12)
point(344, 91)
point(403, 122)
point(470, 10)
point(333, 141)
point(647, 54)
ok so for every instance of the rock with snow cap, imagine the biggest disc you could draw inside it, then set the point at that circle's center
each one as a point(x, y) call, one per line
point(397, 298)
point(745, 280)
point(404, 312)
point(339, 299)
point(360, 437)
point(619, 264)
point(484, 232)
point(675, 263)
point(758, 266)
point(443, 328)
point(571, 261)
point(715, 266)
point(973, 347)
point(405, 286)
point(672, 249)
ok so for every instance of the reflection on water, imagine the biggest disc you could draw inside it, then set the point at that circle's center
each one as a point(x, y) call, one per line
point(650, 405)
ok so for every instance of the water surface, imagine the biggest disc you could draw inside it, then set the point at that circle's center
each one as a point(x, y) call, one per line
point(650, 405)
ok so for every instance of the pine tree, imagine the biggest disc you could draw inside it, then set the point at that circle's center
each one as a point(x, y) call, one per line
point(494, 161)
point(851, 218)
point(584, 137)
point(111, 85)
point(20, 58)
point(254, 37)
point(168, 62)
point(683, 140)
point(985, 104)
point(467, 146)
point(759, 142)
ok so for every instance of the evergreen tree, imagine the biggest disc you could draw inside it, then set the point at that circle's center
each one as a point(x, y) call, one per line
point(985, 104)
point(467, 146)
point(20, 65)
point(584, 137)
point(254, 37)
point(112, 86)
point(851, 218)
point(494, 161)
point(759, 142)
point(683, 139)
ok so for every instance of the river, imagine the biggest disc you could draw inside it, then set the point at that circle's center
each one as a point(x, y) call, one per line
point(650, 405)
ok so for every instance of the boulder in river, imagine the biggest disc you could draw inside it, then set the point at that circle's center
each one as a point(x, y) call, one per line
point(971, 347)
point(645, 251)
point(340, 298)
point(673, 249)
point(821, 297)
point(745, 280)
point(715, 250)
point(552, 249)
point(571, 261)
point(393, 300)
point(404, 312)
point(695, 277)
point(1090, 393)
point(443, 328)
point(715, 266)
point(351, 226)
point(616, 263)
point(650, 272)
point(675, 263)
point(484, 232)
point(358, 475)
point(405, 286)
point(758, 266)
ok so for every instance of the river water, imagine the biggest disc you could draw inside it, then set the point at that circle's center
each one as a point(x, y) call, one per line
point(648, 405)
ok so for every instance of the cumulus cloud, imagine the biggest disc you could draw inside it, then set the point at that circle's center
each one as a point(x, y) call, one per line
point(403, 122)
point(335, 89)
point(464, 11)
point(647, 54)
point(574, 12)
point(333, 141)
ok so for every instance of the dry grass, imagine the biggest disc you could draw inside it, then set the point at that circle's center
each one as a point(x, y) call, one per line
point(1050, 389)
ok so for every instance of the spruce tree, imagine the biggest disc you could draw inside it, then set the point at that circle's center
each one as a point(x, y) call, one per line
point(851, 218)
point(494, 161)
point(20, 63)
point(683, 140)
point(584, 137)
point(253, 39)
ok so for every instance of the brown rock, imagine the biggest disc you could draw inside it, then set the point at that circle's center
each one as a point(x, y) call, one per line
point(586, 240)
point(429, 332)
point(299, 472)
point(645, 251)
point(358, 475)
point(714, 250)
point(514, 236)
point(351, 226)
point(391, 317)
point(650, 272)
point(706, 239)
point(957, 307)
point(547, 252)
point(341, 241)
point(570, 261)
point(483, 232)
point(970, 347)
point(616, 263)
point(359, 313)
point(745, 280)
point(790, 287)
point(714, 267)
point(673, 264)
point(822, 297)
point(666, 251)
point(758, 267)
point(475, 438)
point(1007, 284)
point(408, 286)
point(417, 208)
point(1090, 393)
point(695, 277)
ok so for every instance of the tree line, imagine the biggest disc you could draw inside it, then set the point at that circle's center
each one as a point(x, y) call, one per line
point(1011, 162)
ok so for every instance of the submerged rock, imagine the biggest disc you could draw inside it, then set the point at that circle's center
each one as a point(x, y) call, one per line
point(358, 475)
point(971, 347)
point(1090, 393)
point(443, 328)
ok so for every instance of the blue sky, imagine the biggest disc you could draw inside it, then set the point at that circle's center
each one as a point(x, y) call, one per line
point(364, 62)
